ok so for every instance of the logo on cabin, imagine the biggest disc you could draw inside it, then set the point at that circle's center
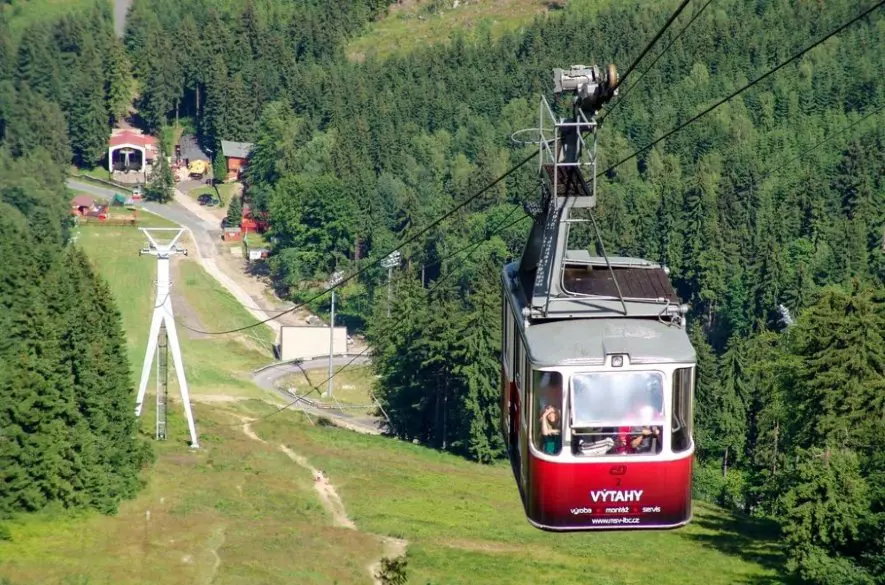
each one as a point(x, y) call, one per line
point(616, 496)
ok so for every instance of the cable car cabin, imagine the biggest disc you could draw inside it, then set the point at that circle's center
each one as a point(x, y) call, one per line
point(597, 411)
point(597, 369)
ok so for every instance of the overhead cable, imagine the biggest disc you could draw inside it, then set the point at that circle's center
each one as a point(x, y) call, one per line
point(405, 242)
point(651, 66)
point(475, 245)
point(653, 41)
point(742, 89)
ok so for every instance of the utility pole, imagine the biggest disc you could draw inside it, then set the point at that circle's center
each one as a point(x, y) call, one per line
point(164, 318)
point(334, 280)
point(391, 262)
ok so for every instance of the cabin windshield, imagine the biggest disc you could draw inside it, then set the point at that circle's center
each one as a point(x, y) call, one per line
point(617, 413)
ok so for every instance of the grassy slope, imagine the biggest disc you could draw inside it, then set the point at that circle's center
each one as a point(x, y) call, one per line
point(238, 511)
point(21, 13)
point(351, 386)
point(465, 522)
point(204, 306)
point(411, 24)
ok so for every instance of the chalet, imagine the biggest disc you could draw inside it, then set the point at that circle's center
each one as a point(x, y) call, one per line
point(236, 154)
point(232, 234)
point(253, 222)
point(88, 208)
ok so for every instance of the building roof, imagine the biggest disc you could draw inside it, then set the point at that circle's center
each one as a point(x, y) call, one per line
point(191, 150)
point(236, 149)
point(588, 341)
point(595, 326)
point(82, 201)
point(122, 137)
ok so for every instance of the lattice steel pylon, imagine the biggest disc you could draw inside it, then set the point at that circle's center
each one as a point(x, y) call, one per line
point(162, 382)
point(163, 316)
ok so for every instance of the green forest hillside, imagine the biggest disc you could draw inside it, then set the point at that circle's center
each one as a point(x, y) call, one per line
point(769, 211)
point(420, 23)
point(239, 511)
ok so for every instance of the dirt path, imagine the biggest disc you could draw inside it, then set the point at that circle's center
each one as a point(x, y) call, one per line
point(331, 501)
point(328, 495)
point(393, 548)
point(250, 291)
point(216, 542)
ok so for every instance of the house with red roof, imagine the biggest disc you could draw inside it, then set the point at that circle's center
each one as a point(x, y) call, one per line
point(131, 151)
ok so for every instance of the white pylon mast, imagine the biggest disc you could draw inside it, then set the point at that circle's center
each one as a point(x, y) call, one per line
point(163, 316)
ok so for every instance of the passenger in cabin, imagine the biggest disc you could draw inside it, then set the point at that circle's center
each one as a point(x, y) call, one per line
point(646, 406)
point(549, 405)
point(551, 434)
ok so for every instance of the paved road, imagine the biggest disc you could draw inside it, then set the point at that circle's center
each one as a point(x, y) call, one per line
point(205, 234)
point(267, 378)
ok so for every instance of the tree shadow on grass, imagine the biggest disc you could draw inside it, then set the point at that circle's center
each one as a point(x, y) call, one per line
point(754, 540)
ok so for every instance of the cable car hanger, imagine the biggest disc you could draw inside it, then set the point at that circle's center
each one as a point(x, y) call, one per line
point(561, 283)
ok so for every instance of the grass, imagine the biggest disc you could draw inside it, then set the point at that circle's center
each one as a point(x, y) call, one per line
point(257, 240)
point(203, 305)
point(239, 511)
point(243, 501)
point(414, 25)
point(352, 386)
point(99, 172)
point(465, 522)
point(22, 13)
point(225, 190)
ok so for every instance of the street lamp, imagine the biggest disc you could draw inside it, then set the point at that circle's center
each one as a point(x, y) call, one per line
point(333, 282)
point(391, 262)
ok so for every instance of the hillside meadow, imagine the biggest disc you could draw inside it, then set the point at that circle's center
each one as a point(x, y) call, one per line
point(240, 511)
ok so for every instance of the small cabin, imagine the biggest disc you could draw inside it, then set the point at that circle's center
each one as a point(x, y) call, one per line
point(232, 234)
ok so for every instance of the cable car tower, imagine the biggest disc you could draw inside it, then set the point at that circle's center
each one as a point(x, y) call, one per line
point(163, 336)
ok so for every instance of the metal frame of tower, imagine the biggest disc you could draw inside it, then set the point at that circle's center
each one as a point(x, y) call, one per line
point(163, 315)
point(162, 382)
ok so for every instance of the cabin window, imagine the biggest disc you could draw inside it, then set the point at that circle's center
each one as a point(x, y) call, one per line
point(547, 417)
point(505, 337)
point(683, 391)
point(617, 413)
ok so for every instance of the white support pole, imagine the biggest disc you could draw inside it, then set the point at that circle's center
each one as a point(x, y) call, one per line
point(331, 344)
point(156, 321)
point(163, 315)
point(334, 281)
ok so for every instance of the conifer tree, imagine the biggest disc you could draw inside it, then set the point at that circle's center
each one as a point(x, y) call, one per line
point(88, 117)
point(162, 183)
point(219, 168)
point(475, 358)
point(235, 211)
point(118, 81)
point(824, 507)
point(839, 382)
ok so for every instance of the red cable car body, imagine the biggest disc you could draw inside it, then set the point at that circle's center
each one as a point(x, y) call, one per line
point(597, 369)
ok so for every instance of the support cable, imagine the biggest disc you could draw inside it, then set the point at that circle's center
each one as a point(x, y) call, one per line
point(475, 246)
point(654, 40)
point(743, 89)
point(317, 387)
point(405, 242)
point(623, 96)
